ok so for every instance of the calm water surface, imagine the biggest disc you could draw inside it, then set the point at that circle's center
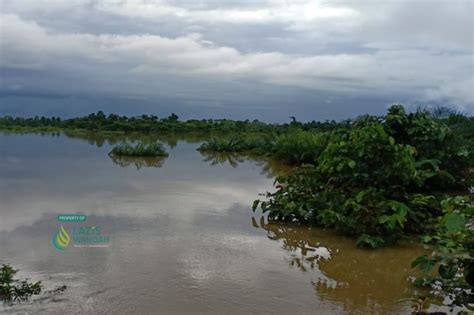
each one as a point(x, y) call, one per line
point(184, 237)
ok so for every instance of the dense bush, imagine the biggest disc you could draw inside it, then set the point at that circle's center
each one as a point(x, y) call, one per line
point(379, 180)
point(295, 147)
point(299, 147)
point(140, 149)
point(257, 145)
point(453, 254)
point(433, 140)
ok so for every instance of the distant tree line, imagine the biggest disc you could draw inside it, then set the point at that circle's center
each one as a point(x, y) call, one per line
point(151, 123)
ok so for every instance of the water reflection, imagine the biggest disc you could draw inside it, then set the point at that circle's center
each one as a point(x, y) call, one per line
point(183, 242)
point(268, 167)
point(138, 161)
point(100, 139)
point(104, 138)
point(216, 158)
point(163, 264)
point(364, 281)
point(304, 253)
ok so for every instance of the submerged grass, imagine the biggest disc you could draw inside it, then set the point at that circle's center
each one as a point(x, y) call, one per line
point(296, 147)
point(239, 144)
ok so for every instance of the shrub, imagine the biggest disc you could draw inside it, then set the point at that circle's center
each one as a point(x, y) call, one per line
point(453, 254)
point(258, 145)
point(141, 149)
point(379, 181)
point(300, 147)
point(295, 147)
point(12, 289)
point(435, 141)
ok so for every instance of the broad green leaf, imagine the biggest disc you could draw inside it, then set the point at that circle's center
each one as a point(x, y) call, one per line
point(352, 164)
point(463, 152)
point(424, 263)
point(391, 140)
point(454, 222)
point(447, 271)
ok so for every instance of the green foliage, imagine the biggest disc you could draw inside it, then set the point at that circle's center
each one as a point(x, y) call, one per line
point(453, 253)
point(140, 149)
point(12, 289)
point(295, 147)
point(380, 180)
point(99, 122)
point(434, 141)
point(256, 145)
point(299, 147)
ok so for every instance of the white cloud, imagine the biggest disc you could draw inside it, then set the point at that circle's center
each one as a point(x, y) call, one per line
point(425, 73)
point(407, 47)
point(294, 12)
point(448, 25)
point(459, 92)
point(402, 24)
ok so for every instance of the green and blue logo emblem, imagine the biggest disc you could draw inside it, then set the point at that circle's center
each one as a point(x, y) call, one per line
point(72, 232)
point(61, 239)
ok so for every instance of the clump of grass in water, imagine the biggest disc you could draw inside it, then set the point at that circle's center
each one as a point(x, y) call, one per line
point(141, 149)
point(294, 148)
point(12, 289)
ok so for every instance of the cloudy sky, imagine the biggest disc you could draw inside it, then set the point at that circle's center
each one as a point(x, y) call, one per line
point(239, 59)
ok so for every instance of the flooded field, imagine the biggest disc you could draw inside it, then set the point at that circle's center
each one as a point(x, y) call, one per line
point(183, 238)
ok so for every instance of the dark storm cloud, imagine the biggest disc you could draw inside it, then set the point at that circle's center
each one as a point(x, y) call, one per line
point(252, 54)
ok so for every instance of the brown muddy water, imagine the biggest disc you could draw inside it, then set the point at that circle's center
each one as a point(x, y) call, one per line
point(183, 238)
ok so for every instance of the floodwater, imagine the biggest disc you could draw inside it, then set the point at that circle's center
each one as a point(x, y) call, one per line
point(183, 238)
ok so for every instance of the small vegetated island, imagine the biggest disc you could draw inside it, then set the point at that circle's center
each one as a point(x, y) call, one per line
point(140, 155)
point(139, 150)
point(379, 179)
